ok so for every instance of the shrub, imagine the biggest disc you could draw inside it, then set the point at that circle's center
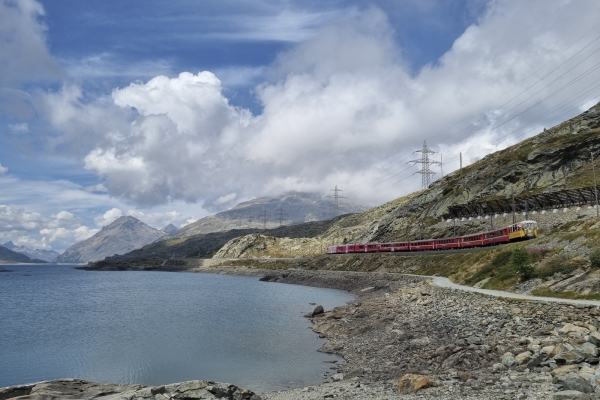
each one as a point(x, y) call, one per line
point(520, 261)
point(538, 253)
point(595, 258)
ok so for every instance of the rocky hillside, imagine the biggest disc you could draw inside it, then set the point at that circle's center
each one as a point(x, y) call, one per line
point(122, 236)
point(39, 254)
point(555, 159)
point(297, 207)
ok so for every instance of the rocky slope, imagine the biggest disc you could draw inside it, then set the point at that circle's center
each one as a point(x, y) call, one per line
point(122, 236)
point(169, 228)
point(297, 207)
point(39, 254)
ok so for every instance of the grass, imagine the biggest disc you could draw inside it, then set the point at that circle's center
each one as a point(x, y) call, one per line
point(545, 292)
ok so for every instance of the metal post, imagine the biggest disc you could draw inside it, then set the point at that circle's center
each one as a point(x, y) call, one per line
point(492, 221)
point(526, 212)
point(595, 187)
point(513, 209)
point(420, 232)
point(454, 221)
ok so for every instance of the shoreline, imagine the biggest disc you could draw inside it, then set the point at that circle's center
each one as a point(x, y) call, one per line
point(472, 345)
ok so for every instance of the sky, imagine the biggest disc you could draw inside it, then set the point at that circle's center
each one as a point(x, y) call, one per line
point(171, 112)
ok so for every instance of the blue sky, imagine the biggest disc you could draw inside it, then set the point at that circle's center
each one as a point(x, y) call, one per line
point(105, 110)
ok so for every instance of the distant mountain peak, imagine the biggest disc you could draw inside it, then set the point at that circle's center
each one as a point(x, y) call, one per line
point(169, 228)
point(121, 236)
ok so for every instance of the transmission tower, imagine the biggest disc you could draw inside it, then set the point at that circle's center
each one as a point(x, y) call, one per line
point(281, 215)
point(336, 197)
point(250, 218)
point(264, 218)
point(425, 162)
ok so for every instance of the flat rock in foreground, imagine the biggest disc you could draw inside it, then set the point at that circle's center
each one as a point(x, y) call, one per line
point(85, 390)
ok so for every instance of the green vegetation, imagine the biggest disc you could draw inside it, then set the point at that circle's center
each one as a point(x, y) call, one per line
point(595, 258)
point(545, 292)
point(520, 261)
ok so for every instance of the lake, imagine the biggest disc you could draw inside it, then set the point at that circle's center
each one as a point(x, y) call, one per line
point(158, 327)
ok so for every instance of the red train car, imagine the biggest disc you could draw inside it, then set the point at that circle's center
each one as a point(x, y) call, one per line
point(419, 245)
point(448, 243)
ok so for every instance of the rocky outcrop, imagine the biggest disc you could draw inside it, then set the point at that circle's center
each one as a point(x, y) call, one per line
point(122, 236)
point(85, 390)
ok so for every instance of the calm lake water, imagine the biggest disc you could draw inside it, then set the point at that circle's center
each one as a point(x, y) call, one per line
point(158, 327)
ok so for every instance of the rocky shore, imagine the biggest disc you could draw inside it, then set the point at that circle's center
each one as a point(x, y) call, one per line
point(403, 338)
point(470, 345)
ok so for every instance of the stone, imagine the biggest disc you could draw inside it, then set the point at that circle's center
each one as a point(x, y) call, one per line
point(594, 338)
point(577, 382)
point(569, 395)
point(573, 328)
point(565, 370)
point(424, 341)
point(535, 361)
point(317, 311)
point(412, 383)
point(523, 358)
point(587, 349)
point(567, 356)
point(508, 360)
point(337, 377)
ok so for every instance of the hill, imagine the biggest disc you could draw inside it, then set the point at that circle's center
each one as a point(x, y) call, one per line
point(39, 254)
point(122, 236)
point(296, 207)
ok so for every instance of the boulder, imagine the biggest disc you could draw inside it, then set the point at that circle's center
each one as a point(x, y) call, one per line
point(566, 354)
point(412, 383)
point(419, 342)
point(317, 311)
point(577, 382)
point(594, 338)
point(569, 395)
point(587, 349)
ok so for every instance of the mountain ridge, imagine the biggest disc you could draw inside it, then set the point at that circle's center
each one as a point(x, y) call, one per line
point(295, 207)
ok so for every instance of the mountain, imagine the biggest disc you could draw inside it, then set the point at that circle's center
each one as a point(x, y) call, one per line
point(9, 255)
point(39, 254)
point(169, 228)
point(294, 207)
point(123, 235)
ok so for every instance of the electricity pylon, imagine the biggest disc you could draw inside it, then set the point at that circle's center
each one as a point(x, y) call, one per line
point(425, 162)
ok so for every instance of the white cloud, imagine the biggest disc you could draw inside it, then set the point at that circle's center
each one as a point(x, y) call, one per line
point(19, 128)
point(3, 169)
point(340, 107)
point(34, 230)
point(108, 217)
point(24, 55)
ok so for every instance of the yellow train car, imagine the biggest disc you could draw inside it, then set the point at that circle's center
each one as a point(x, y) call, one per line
point(523, 230)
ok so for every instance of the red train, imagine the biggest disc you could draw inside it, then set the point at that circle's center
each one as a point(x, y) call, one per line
point(522, 230)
